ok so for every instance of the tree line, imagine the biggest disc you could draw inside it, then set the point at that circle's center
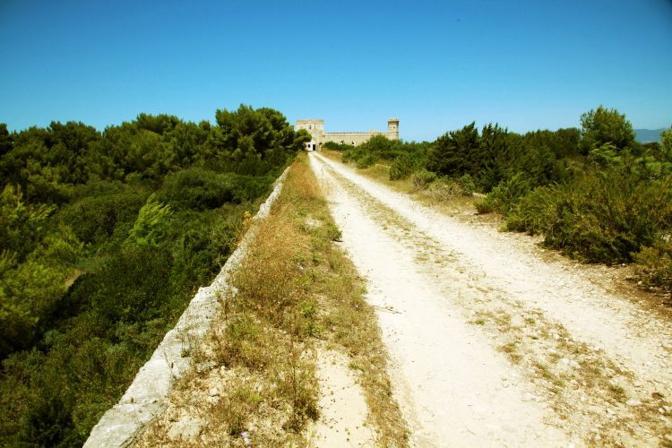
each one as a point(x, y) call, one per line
point(593, 192)
point(104, 238)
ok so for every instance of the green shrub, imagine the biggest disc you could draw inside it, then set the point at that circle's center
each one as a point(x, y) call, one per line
point(445, 189)
point(483, 206)
point(333, 146)
point(32, 292)
point(201, 189)
point(89, 282)
point(422, 178)
point(366, 161)
point(535, 211)
point(604, 216)
point(468, 185)
point(654, 264)
point(132, 286)
point(402, 167)
point(505, 195)
point(48, 422)
point(22, 224)
point(95, 218)
point(152, 224)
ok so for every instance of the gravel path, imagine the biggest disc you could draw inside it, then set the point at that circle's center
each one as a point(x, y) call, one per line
point(490, 344)
point(343, 409)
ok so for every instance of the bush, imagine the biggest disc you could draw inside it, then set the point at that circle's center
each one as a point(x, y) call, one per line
point(89, 282)
point(48, 422)
point(132, 286)
point(333, 146)
point(95, 218)
point(604, 216)
point(201, 189)
point(366, 160)
point(402, 167)
point(446, 189)
point(422, 178)
point(534, 212)
point(654, 264)
point(505, 195)
point(468, 185)
point(152, 224)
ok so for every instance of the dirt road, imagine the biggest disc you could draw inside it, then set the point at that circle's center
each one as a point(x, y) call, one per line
point(490, 345)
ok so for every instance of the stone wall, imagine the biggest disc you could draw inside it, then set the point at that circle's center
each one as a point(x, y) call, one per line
point(147, 395)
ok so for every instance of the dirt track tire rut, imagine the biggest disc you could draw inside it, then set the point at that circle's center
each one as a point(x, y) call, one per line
point(492, 346)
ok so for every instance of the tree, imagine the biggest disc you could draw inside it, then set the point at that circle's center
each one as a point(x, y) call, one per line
point(453, 152)
point(6, 140)
point(604, 126)
point(160, 124)
point(666, 144)
point(251, 141)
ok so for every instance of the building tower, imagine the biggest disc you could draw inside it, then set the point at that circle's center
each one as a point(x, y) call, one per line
point(393, 129)
point(316, 129)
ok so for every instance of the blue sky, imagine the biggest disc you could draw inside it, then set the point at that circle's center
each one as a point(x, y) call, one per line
point(436, 65)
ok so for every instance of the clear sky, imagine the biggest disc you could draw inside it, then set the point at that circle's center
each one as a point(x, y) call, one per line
point(436, 65)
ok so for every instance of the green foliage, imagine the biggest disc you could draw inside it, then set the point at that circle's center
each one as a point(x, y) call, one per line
point(422, 178)
point(30, 292)
point(655, 264)
point(104, 237)
point(201, 189)
point(403, 166)
point(534, 211)
point(603, 126)
point(456, 153)
point(6, 140)
point(21, 224)
point(468, 184)
point(406, 157)
point(95, 219)
point(251, 141)
point(504, 195)
point(604, 216)
point(151, 227)
point(133, 287)
point(666, 144)
point(333, 146)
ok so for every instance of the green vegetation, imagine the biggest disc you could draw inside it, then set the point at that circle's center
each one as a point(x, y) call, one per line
point(296, 296)
point(594, 193)
point(104, 238)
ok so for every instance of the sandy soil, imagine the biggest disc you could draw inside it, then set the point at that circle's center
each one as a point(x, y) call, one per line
point(493, 345)
point(343, 409)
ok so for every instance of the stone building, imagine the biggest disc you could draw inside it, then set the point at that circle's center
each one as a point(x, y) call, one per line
point(320, 136)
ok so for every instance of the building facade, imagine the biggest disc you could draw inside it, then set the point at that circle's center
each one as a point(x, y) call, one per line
point(316, 129)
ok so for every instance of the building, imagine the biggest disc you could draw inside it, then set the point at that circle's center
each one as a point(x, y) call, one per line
point(320, 136)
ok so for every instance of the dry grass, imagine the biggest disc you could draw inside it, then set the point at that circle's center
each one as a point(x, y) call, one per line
point(294, 289)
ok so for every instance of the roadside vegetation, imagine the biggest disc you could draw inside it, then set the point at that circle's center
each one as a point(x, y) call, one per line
point(594, 193)
point(104, 238)
point(295, 293)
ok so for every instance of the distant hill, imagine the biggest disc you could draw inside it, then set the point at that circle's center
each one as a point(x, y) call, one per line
point(648, 135)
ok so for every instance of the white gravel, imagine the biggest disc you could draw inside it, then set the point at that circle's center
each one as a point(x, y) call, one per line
point(455, 387)
point(343, 409)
